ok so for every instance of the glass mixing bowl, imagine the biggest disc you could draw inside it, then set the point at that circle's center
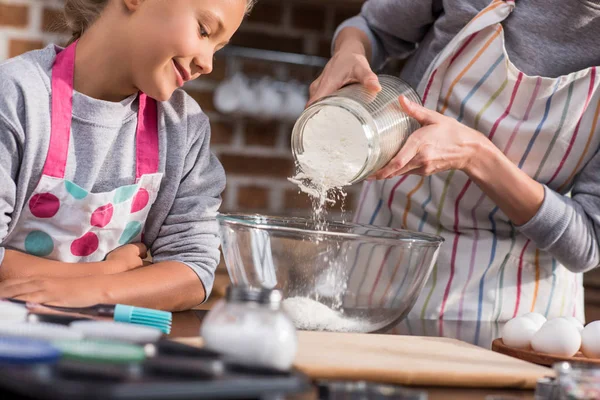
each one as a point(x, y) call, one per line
point(349, 278)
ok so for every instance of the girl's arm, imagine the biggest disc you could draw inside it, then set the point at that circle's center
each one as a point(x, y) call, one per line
point(16, 265)
point(168, 285)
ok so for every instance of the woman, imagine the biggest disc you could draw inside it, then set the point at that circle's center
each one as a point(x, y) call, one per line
point(509, 128)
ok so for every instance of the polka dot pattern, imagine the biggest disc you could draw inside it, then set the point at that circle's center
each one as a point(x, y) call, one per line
point(44, 205)
point(102, 216)
point(77, 192)
point(124, 193)
point(85, 245)
point(131, 231)
point(38, 243)
point(140, 200)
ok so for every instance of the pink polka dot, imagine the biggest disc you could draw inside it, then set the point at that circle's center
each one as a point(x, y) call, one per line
point(44, 205)
point(140, 200)
point(102, 216)
point(85, 245)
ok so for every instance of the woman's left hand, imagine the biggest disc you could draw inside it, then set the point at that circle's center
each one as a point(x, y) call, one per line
point(66, 292)
point(441, 144)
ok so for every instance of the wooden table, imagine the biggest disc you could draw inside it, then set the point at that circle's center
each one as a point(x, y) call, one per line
point(187, 324)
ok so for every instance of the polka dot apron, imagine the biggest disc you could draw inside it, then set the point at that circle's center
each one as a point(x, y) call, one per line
point(62, 221)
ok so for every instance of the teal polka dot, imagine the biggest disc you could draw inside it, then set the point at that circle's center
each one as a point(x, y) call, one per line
point(39, 244)
point(131, 231)
point(75, 190)
point(124, 193)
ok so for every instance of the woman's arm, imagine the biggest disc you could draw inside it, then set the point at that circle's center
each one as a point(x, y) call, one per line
point(393, 28)
point(385, 28)
point(566, 228)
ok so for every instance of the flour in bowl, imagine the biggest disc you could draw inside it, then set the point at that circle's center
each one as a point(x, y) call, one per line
point(312, 315)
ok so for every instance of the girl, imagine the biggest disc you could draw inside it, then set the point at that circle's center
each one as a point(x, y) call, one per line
point(510, 127)
point(102, 155)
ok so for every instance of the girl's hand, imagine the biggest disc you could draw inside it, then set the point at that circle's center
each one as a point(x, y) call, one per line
point(441, 144)
point(66, 292)
point(125, 258)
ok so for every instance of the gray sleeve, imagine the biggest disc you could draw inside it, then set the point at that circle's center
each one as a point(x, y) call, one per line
point(394, 27)
point(190, 232)
point(10, 151)
point(568, 228)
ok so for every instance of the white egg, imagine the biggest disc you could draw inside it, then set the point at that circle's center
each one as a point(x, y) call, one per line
point(590, 340)
point(518, 332)
point(576, 323)
point(538, 318)
point(557, 337)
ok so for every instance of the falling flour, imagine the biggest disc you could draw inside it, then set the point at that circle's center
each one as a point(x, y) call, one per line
point(311, 315)
point(335, 150)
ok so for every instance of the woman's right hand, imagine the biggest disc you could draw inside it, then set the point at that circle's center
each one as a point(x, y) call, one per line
point(349, 64)
point(125, 258)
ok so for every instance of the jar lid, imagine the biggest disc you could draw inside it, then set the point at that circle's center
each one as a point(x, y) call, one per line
point(243, 294)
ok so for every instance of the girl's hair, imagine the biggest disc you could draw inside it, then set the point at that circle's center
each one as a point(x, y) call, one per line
point(80, 14)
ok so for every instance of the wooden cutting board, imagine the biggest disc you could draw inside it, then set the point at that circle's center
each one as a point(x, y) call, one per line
point(408, 360)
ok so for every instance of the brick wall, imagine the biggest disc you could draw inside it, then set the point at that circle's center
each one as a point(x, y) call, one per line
point(256, 154)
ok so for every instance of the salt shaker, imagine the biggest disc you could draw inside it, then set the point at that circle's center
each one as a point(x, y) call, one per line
point(249, 328)
point(382, 124)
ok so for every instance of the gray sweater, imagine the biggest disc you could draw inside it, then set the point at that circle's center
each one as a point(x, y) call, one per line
point(543, 37)
point(181, 225)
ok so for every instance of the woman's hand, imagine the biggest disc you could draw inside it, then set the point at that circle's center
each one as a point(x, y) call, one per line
point(66, 292)
point(441, 144)
point(349, 64)
point(125, 258)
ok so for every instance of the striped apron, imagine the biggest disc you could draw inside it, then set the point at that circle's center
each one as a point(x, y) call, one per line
point(486, 269)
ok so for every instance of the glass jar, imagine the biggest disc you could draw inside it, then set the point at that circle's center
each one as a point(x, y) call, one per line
point(578, 381)
point(384, 124)
point(248, 327)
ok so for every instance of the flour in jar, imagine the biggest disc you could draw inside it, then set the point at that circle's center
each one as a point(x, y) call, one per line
point(309, 314)
point(335, 150)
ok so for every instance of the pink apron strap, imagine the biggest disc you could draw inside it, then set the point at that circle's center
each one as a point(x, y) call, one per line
point(61, 109)
point(63, 71)
point(147, 137)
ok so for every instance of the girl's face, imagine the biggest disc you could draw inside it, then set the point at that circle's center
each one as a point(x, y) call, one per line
point(174, 41)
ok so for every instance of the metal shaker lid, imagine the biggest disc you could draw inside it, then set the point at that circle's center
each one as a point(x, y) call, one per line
point(546, 389)
point(245, 294)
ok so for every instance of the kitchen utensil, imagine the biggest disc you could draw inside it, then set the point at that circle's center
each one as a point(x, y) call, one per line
point(118, 331)
point(41, 331)
point(408, 360)
point(119, 312)
point(326, 270)
point(237, 327)
point(22, 351)
point(12, 312)
point(540, 358)
point(578, 381)
point(386, 126)
point(100, 351)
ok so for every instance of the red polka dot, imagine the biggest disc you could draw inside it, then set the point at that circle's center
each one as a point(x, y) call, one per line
point(102, 216)
point(140, 200)
point(44, 205)
point(85, 245)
